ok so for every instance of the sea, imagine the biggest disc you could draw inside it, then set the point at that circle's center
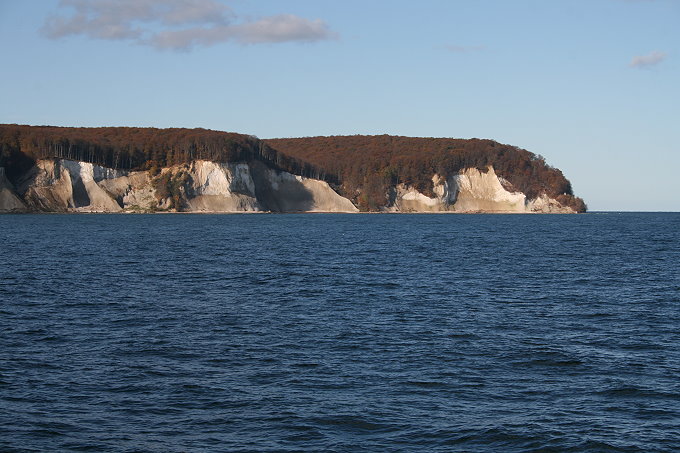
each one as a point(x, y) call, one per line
point(340, 333)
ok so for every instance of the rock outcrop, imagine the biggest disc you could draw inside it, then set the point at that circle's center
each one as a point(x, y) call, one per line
point(9, 201)
point(63, 185)
point(129, 169)
point(59, 185)
point(471, 190)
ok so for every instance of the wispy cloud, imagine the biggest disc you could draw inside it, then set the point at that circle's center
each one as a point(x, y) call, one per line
point(177, 24)
point(651, 59)
point(463, 49)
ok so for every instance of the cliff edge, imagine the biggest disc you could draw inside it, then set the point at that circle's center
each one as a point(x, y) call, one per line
point(59, 185)
point(9, 201)
point(369, 169)
point(56, 169)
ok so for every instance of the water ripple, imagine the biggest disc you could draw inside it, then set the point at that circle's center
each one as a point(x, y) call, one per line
point(340, 333)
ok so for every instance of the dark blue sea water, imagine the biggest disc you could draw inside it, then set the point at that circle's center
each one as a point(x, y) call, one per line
point(502, 333)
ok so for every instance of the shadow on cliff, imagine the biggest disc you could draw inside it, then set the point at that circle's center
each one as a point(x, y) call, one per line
point(277, 192)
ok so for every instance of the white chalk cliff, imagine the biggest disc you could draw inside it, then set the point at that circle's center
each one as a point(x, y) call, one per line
point(9, 201)
point(471, 190)
point(58, 185)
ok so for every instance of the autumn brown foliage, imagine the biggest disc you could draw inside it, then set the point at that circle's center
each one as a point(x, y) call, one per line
point(367, 166)
point(136, 148)
point(362, 168)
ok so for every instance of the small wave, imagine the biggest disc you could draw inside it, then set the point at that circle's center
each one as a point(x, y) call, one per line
point(463, 335)
point(638, 392)
point(52, 339)
point(549, 359)
point(592, 445)
point(46, 432)
point(385, 285)
point(556, 363)
point(426, 384)
point(306, 436)
point(306, 365)
point(353, 423)
point(598, 314)
point(643, 346)
point(495, 437)
point(81, 447)
point(131, 388)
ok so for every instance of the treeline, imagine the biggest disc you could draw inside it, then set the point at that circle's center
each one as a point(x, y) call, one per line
point(362, 168)
point(134, 148)
point(368, 165)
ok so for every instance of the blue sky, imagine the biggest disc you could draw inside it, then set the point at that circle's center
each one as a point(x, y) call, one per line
point(592, 85)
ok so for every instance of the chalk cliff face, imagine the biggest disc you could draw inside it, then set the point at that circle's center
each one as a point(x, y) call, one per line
point(64, 185)
point(58, 185)
point(471, 190)
point(9, 201)
point(200, 170)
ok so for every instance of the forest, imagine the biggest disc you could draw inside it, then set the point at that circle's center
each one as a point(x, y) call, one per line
point(361, 168)
point(368, 165)
point(134, 148)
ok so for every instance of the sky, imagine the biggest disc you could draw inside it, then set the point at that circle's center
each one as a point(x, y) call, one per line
point(591, 85)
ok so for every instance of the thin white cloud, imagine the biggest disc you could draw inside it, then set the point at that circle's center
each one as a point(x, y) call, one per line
point(177, 24)
point(651, 59)
point(281, 28)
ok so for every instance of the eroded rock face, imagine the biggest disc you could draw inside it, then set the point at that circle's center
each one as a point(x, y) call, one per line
point(132, 191)
point(471, 190)
point(220, 187)
point(47, 188)
point(244, 187)
point(64, 185)
point(9, 201)
point(284, 192)
point(58, 185)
